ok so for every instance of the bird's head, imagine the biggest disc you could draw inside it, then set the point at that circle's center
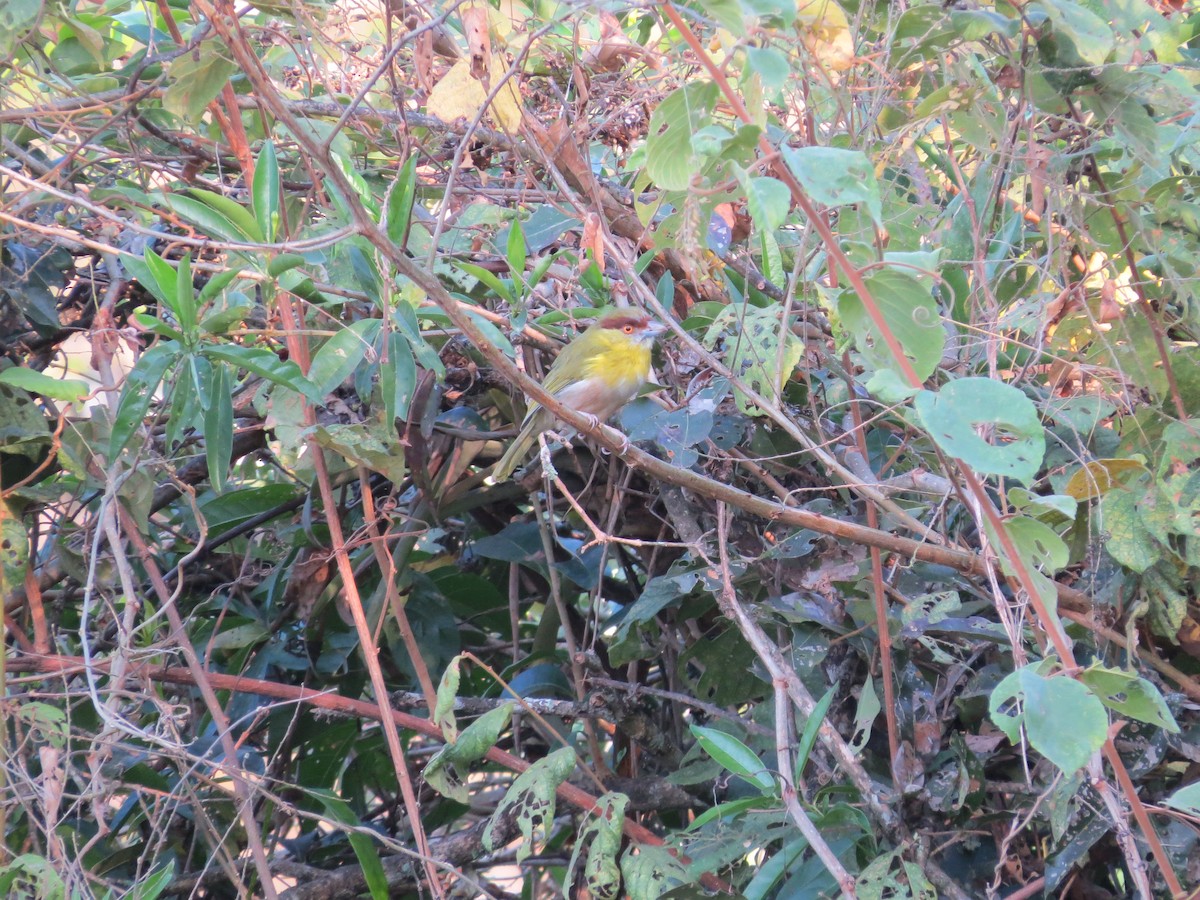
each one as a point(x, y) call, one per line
point(634, 326)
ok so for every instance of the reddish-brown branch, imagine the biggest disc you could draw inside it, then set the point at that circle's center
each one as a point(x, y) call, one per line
point(581, 799)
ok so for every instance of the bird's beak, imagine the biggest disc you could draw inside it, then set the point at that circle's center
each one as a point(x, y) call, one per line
point(654, 329)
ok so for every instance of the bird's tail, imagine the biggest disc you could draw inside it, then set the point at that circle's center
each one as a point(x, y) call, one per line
point(535, 423)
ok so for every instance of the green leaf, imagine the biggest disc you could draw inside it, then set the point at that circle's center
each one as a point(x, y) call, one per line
point(489, 279)
point(16, 18)
point(235, 212)
point(446, 770)
point(865, 715)
point(151, 887)
point(1037, 543)
point(600, 840)
point(40, 383)
point(211, 221)
point(364, 847)
point(14, 550)
point(341, 355)
point(284, 262)
point(1018, 441)
point(735, 756)
point(753, 335)
point(532, 799)
point(651, 872)
point(517, 252)
point(767, 199)
point(1186, 799)
point(266, 364)
point(1129, 543)
point(372, 445)
point(163, 282)
point(265, 192)
point(218, 426)
point(216, 284)
point(836, 177)
point(672, 159)
point(400, 201)
point(447, 693)
point(809, 736)
point(731, 809)
point(909, 314)
point(137, 393)
point(1062, 719)
point(1091, 35)
point(185, 297)
point(196, 79)
point(1130, 695)
point(248, 634)
point(397, 377)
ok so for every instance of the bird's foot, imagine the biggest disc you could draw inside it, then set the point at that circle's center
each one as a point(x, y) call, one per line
point(622, 450)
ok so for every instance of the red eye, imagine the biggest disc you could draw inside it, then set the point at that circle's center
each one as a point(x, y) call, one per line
point(628, 329)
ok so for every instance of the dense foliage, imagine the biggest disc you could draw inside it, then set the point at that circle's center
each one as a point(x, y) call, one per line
point(886, 587)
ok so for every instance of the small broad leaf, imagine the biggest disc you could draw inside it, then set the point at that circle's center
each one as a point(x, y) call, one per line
point(1130, 695)
point(263, 362)
point(1129, 541)
point(672, 157)
point(369, 444)
point(196, 80)
point(952, 415)
point(651, 871)
point(835, 177)
point(767, 199)
point(909, 314)
point(1062, 719)
point(1090, 34)
point(809, 736)
point(1186, 799)
point(400, 200)
point(397, 377)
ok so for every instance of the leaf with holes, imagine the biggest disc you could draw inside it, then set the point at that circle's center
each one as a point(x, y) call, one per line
point(1016, 441)
point(531, 800)
point(446, 770)
point(600, 840)
point(1130, 695)
point(1062, 719)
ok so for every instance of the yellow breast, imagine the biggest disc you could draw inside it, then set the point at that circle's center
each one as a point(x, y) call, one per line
point(620, 363)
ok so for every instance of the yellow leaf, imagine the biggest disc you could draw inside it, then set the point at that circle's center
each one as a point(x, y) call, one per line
point(459, 96)
point(1099, 477)
point(825, 32)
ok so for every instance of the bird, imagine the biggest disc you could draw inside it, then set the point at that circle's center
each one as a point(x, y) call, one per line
point(596, 374)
